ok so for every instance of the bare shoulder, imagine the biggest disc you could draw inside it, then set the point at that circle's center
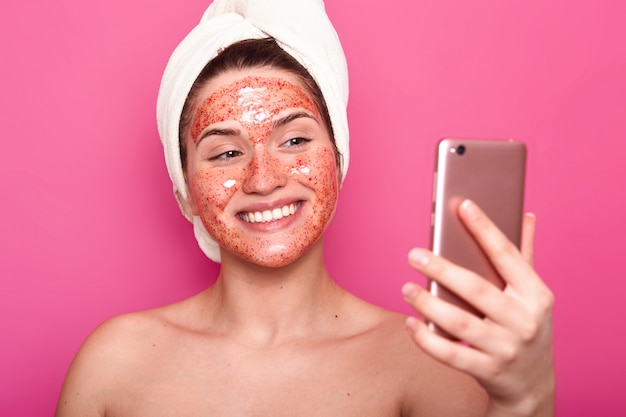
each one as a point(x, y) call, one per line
point(123, 336)
point(111, 356)
point(427, 387)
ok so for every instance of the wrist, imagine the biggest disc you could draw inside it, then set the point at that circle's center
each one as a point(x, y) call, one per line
point(538, 404)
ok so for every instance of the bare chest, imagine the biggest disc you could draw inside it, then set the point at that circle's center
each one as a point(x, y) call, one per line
point(241, 382)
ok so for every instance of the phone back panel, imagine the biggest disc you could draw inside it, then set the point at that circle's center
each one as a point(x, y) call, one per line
point(489, 172)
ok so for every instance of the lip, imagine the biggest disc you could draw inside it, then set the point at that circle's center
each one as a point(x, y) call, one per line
point(269, 205)
point(270, 216)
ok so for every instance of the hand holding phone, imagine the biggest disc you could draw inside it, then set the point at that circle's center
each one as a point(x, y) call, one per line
point(491, 173)
point(509, 352)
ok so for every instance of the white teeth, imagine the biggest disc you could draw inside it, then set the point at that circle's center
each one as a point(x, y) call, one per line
point(269, 215)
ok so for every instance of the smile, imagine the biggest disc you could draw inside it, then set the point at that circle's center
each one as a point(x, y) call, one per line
point(270, 215)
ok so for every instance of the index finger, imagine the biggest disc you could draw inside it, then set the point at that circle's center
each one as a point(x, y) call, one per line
point(506, 258)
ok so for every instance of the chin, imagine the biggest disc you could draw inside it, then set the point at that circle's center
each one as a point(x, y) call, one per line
point(274, 260)
point(277, 257)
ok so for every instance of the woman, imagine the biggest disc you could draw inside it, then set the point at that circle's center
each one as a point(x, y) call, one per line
point(255, 137)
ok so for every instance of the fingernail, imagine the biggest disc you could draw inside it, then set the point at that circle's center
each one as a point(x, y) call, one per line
point(418, 256)
point(411, 323)
point(410, 290)
point(469, 208)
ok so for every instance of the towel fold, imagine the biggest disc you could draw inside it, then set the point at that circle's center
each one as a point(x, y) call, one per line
point(300, 27)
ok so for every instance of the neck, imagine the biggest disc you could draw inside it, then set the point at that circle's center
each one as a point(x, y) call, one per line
point(268, 306)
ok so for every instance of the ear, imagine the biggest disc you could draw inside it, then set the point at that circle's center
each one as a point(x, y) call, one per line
point(339, 179)
point(187, 203)
point(189, 200)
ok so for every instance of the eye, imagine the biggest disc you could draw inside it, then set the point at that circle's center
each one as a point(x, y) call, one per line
point(295, 142)
point(226, 155)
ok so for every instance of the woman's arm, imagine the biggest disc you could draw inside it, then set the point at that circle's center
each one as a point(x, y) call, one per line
point(509, 352)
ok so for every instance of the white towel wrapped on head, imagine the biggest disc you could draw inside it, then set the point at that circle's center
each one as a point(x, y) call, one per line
point(300, 27)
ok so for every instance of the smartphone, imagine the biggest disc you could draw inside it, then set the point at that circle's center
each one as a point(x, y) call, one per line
point(492, 174)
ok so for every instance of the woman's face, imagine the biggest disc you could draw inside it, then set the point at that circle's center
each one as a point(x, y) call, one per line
point(261, 169)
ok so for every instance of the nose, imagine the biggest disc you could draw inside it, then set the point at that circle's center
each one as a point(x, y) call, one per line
point(265, 174)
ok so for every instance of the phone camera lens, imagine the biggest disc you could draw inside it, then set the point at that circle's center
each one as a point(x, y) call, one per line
point(460, 149)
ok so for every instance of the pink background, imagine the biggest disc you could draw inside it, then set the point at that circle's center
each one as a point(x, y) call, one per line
point(89, 229)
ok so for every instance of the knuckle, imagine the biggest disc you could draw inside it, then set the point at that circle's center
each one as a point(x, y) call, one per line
point(508, 354)
point(423, 301)
point(494, 371)
point(437, 266)
point(478, 288)
point(449, 355)
point(460, 324)
point(547, 301)
point(529, 331)
point(544, 302)
point(505, 247)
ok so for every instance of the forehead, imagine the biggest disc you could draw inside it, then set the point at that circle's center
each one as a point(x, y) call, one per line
point(240, 77)
point(253, 98)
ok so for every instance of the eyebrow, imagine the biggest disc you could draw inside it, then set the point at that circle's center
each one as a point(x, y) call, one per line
point(291, 117)
point(236, 132)
point(218, 131)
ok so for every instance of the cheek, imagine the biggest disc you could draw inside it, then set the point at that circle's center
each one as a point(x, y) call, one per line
point(319, 172)
point(212, 189)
